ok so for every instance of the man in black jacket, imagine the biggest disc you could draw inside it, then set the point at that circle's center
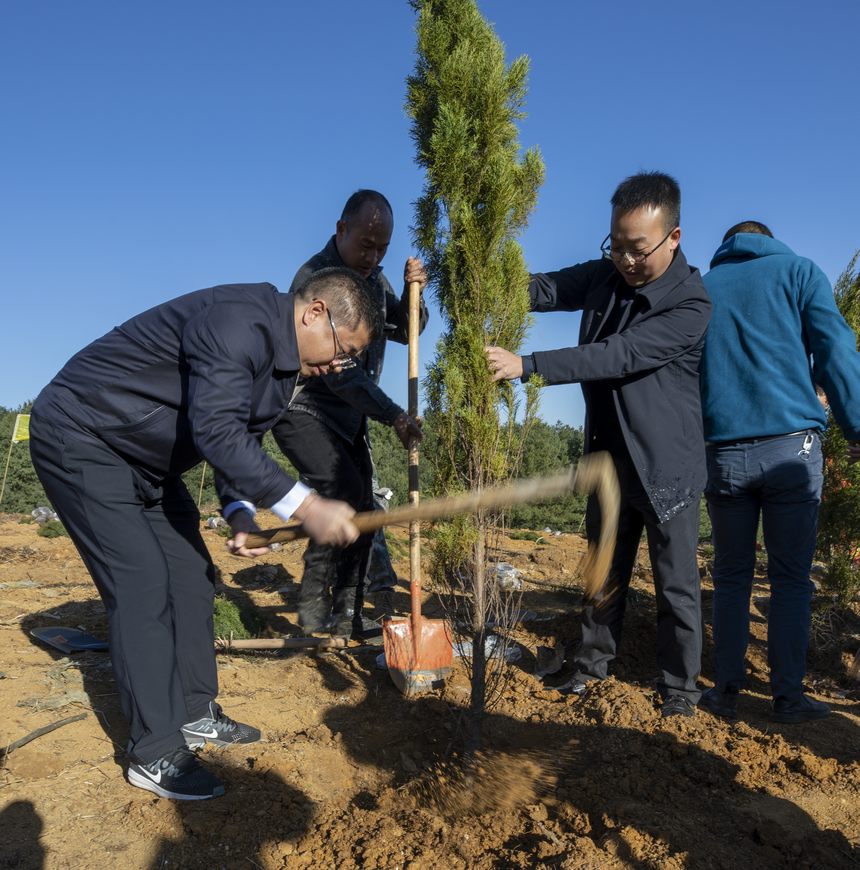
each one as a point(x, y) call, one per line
point(324, 433)
point(201, 377)
point(644, 316)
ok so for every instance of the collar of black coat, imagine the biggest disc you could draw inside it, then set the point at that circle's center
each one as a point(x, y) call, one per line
point(678, 272)
point(332, 256)
point(287, 357)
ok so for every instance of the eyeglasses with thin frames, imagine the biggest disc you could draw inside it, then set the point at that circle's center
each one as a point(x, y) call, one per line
point(342, 360)
point(634, 256)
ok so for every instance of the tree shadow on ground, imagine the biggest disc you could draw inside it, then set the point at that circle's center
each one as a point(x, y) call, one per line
point(255, 823)
point(96, 679)
point(631, 793)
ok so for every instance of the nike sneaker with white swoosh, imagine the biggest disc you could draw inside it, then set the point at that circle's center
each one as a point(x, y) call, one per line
point(178, 775)
point(218, 729)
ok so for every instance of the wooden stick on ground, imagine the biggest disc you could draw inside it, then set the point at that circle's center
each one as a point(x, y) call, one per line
point(39, 732)
point(223, 643)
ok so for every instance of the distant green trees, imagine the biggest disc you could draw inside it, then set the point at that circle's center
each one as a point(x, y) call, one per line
point(23, 492)
point(545, 447)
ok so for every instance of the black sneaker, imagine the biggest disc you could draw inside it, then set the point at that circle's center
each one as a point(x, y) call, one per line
point(722, 704)
point(677, 705)
point(218, 729)
point(802, 710)
point(178, 775)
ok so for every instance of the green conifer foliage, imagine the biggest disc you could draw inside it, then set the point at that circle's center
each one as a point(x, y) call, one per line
point(464, 101)
point(839, 521)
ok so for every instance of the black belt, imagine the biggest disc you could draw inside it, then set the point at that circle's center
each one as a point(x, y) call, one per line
point(761, 438)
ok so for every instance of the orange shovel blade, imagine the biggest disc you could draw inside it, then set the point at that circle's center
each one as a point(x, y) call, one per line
point(421, 666)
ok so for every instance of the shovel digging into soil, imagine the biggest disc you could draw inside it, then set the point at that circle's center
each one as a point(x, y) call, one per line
point(418, 651)
point(413, 671)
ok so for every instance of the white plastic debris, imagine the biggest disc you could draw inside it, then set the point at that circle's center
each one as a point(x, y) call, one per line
point(215, 522)
point(507, 577)
point(493, 647)
point(43, 515)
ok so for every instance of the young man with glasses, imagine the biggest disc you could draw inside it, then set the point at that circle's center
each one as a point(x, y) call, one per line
point(644, 315)
point(324, 432)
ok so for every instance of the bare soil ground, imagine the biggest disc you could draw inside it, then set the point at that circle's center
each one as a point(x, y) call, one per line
point(352, 774)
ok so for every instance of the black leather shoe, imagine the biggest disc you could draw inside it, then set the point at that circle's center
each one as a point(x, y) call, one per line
point(347, 619)
point(366, 629)
point(574, 687)
point(722, 704)
point(792, 712)
point(677, 705)
point(314, 606)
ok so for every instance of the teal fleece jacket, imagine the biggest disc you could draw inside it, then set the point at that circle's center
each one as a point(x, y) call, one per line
point(775, 332)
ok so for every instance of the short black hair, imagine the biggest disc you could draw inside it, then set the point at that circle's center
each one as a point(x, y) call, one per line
point(348, 296)
point(359, 198)
point(650, 189)
point(748, 227)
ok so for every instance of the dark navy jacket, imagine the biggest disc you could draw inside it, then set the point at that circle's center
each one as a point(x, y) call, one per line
point(200, 377)
point(344, 400)
point(651, 366)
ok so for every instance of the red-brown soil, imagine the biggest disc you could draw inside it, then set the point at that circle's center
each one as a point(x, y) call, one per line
point(352, 774)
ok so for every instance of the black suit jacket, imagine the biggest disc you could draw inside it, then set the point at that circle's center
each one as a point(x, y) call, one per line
point(344, 400)
point(200, 377)
point(651, 364)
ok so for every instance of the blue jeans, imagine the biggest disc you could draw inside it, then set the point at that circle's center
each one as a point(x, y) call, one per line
point(778, 479)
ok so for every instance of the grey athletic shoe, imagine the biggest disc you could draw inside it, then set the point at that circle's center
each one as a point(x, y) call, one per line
point(218, 729)
point(177, 775)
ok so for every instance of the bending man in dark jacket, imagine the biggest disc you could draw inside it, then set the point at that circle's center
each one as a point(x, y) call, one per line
point(644, 315)
point(776, 332)
point(324, 433)
point(200, 377)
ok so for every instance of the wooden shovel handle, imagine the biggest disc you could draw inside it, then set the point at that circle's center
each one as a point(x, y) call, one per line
point(532, 489)
point(594, 474)
point(412, 390)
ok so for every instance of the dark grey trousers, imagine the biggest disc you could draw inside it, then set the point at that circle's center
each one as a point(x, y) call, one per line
point(335, 468)
point(672, 548)
point(143, 548)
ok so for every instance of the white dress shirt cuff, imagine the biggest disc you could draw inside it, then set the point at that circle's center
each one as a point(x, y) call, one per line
point(287, 506)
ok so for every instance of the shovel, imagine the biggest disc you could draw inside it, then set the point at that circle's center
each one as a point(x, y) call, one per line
point(418, 651)
point(595, 474)
point(70, 640)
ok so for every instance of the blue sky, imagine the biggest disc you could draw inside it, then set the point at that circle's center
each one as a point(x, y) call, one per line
point(149, 149)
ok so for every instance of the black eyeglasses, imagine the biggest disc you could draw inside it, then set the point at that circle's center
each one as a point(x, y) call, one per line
point(633, 256)
point(342, 360)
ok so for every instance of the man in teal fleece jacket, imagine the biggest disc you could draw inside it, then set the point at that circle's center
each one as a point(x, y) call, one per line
point(775, 333)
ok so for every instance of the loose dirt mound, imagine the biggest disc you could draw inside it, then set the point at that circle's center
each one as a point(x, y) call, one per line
point(351, 774)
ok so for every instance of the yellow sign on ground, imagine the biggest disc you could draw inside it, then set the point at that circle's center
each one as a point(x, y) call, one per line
point(21, 432)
